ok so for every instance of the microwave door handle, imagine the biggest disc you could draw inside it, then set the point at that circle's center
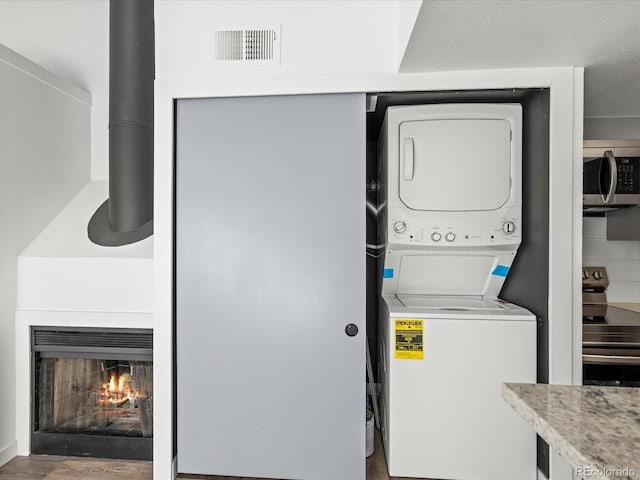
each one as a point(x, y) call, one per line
point(613, 180)
point(407, 167)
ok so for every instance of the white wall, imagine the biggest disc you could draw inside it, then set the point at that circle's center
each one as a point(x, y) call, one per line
point(71, 39)
point(408, 11)
point(317, 36)
point(44, 161)
point(620, 258)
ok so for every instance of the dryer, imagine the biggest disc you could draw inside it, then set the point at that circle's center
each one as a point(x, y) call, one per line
point(453, 186)
point(452, 226)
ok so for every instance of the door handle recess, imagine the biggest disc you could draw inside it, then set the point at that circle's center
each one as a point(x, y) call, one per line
point(407, 160)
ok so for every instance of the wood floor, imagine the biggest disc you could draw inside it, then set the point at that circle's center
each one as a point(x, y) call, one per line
point(44, 467)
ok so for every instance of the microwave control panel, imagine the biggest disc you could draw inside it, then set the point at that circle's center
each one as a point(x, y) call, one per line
point(628, 175)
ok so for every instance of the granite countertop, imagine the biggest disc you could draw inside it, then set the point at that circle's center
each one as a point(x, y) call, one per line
point(595, 429)
point(634, 307)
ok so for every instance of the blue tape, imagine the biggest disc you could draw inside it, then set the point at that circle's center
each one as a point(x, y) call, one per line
point(500, 271)
point(387, 273)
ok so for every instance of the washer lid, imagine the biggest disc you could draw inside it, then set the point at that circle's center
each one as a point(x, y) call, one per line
point(451, 304)
point(455, 164)
point(454, 308)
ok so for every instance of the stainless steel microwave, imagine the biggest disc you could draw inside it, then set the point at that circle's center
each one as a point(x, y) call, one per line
point(611, 173)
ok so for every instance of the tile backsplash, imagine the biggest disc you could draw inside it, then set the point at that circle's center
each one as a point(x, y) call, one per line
point(620, 258)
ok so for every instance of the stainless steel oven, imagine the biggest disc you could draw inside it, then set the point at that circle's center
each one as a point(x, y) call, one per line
point(611, 173)
point(610, 336)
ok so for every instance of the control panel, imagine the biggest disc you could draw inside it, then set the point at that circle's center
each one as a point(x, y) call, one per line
point(444, 232)
point(628, 175)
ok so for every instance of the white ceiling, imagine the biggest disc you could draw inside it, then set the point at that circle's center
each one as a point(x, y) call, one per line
point(603, 36)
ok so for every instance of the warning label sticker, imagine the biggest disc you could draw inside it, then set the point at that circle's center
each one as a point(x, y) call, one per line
point(409, 339)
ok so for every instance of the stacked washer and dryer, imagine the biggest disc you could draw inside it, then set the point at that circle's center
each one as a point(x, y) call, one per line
point(453, 225)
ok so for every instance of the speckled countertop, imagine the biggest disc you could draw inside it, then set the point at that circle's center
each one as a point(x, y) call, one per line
point(596, 429)
point(634, 307)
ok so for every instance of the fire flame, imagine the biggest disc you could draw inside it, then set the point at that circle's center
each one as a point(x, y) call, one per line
point(118, 390)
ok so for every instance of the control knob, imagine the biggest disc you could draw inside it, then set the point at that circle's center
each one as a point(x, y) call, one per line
point(450, 237)
point(597, 275)
point(436, 236)
point(508, 227)
point(399, 227)
point(585, 274)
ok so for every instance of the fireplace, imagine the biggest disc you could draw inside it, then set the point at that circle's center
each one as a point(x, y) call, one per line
point(92, 392)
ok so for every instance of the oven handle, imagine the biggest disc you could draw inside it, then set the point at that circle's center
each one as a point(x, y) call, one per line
point(610, 360)
point(613, 182)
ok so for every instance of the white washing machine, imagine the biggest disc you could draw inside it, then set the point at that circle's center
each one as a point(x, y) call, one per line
point(447, 342)
point(444, 360)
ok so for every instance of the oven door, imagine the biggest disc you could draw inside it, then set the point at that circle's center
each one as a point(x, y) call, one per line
point(607, 366)
point(611, 356)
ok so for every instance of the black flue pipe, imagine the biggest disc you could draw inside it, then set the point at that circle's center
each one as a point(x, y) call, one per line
point(127, 215)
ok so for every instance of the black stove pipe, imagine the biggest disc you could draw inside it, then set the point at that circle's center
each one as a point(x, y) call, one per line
point(127, 215)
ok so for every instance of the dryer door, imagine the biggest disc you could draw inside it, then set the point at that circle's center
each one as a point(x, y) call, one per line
point(455, 164)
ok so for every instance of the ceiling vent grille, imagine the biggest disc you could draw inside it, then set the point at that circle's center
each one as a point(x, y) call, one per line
point(253, 46)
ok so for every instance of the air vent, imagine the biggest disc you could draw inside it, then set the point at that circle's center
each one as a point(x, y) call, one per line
point(251, 46)
point(92, 342)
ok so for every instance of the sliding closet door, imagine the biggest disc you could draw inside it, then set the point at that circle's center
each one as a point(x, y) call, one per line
point(270, 286)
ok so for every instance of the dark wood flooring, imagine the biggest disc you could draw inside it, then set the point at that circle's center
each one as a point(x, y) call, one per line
point(45, 467)
point(49, 467)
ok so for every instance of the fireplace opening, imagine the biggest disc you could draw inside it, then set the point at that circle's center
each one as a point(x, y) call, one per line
point(92, 392)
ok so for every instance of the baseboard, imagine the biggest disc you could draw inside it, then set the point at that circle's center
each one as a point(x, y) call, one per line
point(8, 452)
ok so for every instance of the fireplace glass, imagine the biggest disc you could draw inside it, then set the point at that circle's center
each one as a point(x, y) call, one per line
point(93, 393)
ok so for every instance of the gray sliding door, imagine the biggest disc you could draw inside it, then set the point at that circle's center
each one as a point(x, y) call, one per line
point(270, 269)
